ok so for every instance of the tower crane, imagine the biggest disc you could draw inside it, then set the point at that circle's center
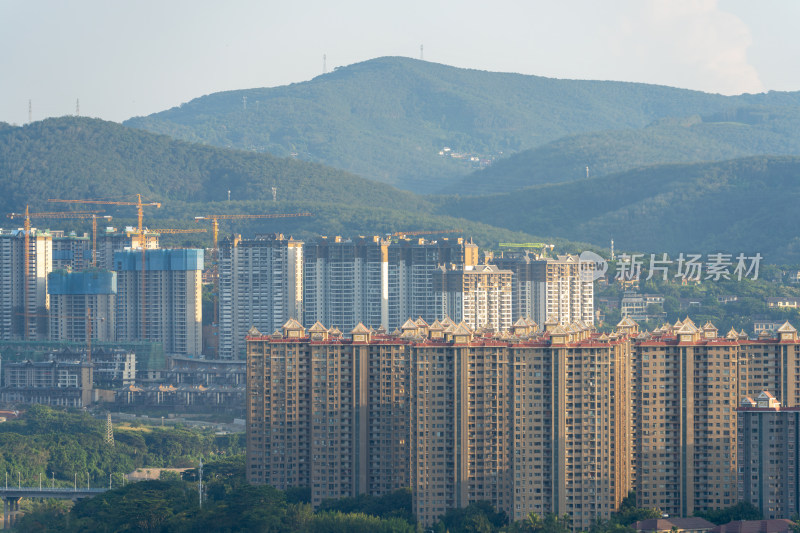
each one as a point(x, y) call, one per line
point(140, 231)
point(215, 250)
point(27, 236)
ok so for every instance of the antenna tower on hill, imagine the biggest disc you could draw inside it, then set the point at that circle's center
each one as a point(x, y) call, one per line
point(324, 63)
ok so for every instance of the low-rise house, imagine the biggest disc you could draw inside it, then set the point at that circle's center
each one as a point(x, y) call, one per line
point(677, 525)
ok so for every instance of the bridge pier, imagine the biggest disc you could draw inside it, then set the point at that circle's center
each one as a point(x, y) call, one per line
point(10, 511)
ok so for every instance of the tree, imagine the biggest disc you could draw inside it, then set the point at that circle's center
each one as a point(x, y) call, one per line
point(740, 511)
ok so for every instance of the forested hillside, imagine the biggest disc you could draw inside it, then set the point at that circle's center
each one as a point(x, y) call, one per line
point(386, 119)
point(81, 158)
point(739, 205)
point(745, 205)
point(727, 135)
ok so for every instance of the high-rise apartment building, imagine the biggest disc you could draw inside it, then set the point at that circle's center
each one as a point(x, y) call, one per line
point(532, 423)
point(326, 412)
point(769, 456)
point(347, 282)
point(771, 363)
point(167, 309)
point(417, 262)
point(562, 287)
point(111, 241)
point(71, 252)
point(479, 295)
point(528, 420)
point(519, 263)
point(376, 281)
point(685, 396)
point(24, 301)
point(260, 284)
point(82, 304)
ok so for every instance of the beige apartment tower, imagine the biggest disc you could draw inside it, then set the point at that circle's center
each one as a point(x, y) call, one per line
point(686, 393)
point(327, 412)
point(480, 295)
point(564, 288)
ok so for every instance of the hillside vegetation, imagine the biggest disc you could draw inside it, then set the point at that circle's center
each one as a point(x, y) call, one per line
point(81, 158)
point(732, 134)
point(386, 119)
point(742, 205)
point(745, 205)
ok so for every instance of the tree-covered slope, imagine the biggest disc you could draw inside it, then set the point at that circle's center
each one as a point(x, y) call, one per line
point(720, 136)
point(745, 205)
point(387, 118)
point(87, 158)
point(81, 158)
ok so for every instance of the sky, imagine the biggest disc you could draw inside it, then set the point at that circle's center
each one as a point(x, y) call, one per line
point(130, 58)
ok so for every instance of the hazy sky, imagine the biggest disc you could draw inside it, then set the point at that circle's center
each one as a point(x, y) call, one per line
point(129, 58)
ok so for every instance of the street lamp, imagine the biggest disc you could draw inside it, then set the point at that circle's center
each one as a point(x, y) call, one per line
point(19, 479)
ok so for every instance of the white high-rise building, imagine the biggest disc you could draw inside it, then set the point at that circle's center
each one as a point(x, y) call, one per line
point(563, 288)
point(376, 281)
point(347, 282)
point(260, 284)
point(24, 315)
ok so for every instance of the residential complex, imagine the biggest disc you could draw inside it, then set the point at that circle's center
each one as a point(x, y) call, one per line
point(560, 419)
point(687, 384)
point(376, 281)
point(525, 419)
point(327, 413)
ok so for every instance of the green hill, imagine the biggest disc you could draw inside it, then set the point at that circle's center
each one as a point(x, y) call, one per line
point(81, 158)
point(732, 134)
point(387, 119)
point(745, 205)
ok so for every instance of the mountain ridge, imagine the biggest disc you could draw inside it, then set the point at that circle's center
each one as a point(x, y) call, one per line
point(387, 119)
